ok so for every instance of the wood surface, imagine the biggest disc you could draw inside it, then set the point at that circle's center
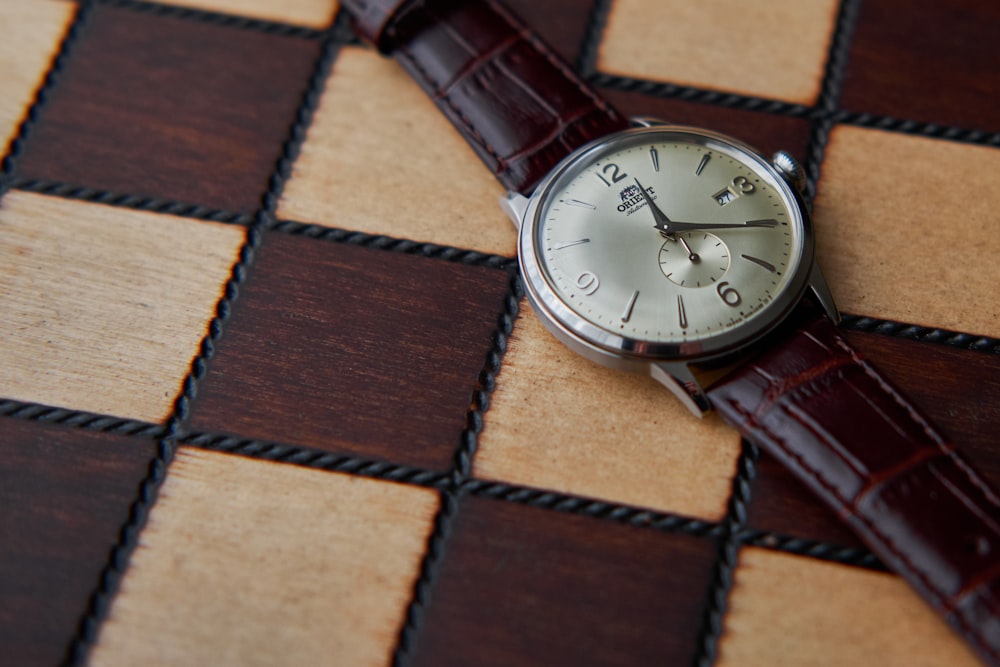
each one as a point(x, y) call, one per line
point(65, 493)
point(607, 434)
point(910, 267)
point(351, 349)
point(378, 460)
point(775, 49)
point(29, 42)
point(430, 185)
point(172, 109)
point(521, 585)
point(113, 331)
point(934, 62)
point(300, 566)
point(827, 615)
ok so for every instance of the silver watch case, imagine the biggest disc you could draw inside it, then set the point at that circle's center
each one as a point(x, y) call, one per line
point(668, 363)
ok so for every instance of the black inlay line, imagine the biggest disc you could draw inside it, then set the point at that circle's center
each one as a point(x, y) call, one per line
point(110, 578)
point(139, 202)
point(828, 551)
point(921, 334)
point(307, 457)
point(218, 18)
point(586, 61)
point(460, 473)
point(395, 244)
point(726, 560)
point(43, 94)
point(829, 96)
point(918, 128)
point(711, 96)
point(78, 419)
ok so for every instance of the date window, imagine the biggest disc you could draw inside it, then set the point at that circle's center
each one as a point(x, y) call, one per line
point(724, 196)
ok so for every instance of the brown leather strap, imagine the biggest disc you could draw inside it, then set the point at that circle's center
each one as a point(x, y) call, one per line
point(815, 404)
point(515, 101)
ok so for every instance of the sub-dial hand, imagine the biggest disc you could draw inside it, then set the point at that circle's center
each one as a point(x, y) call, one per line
point(692, 255)
point(660, 220)
point(677, 226)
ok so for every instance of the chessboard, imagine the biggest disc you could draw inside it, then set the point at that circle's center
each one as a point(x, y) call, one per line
point(271, 393)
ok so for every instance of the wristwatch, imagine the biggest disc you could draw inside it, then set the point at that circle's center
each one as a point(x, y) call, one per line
point(685, 254)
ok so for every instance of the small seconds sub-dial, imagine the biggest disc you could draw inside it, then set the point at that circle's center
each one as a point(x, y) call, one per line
point(694, 259)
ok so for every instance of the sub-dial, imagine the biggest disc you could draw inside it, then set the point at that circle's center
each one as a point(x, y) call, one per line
point(694, 259)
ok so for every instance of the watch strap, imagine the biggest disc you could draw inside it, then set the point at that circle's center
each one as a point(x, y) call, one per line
point(812, 402)
point(520, 107)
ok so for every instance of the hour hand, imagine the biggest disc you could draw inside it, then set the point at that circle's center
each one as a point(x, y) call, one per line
point(660, 220)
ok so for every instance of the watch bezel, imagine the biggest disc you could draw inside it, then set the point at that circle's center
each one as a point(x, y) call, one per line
point(616, 349)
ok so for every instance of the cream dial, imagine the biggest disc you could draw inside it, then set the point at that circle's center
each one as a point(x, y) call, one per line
point(728, 239)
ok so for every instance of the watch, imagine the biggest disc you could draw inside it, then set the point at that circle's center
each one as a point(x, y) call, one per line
point(685, 254)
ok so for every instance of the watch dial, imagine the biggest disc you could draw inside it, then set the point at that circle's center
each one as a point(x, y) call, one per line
point(667, 236)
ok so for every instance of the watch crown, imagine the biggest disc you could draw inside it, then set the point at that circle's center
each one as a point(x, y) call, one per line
point(790, 168)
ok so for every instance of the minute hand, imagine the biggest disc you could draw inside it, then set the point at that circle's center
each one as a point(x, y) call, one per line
point(678, 226)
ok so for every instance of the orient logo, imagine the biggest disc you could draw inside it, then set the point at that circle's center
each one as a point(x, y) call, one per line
point(632, 199)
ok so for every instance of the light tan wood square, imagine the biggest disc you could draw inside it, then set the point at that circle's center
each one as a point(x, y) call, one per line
point(249, 562)
point(380, 158)
point(796, 611)
point(906, 229)
point(103, 307)
point(774, 49)
point(310, 13)
point(30, 34)
point(557, 421)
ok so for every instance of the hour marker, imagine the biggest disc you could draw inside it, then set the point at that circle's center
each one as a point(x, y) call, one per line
point(681, 312)
point(627, 315)
point(701, 165)
point(655, 157)
point(759, 262)
point(577, 202)
point(570, 244)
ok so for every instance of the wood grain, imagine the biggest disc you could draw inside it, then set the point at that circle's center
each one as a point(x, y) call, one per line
point(774, 49)
point(353, 350)
point(380, 158)
point(104, 307)
point(927, 61)
point(913, 238)
point(310, 13)
point(558, 421)
point(64, 494)
point(30, 34)
point(526, 586)
point(247, 562)
point(788, 610)
point(173, 109)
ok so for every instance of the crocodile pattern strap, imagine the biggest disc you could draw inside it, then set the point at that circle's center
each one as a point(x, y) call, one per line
point(825, 413)
point(520, 107)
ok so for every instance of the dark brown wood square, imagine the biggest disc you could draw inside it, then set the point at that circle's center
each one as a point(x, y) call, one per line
point(64, 495)
point(765, 132)
point(959, 390)
point(526, 586)
point(934, 62)
point(356, 350)
point(170, 108)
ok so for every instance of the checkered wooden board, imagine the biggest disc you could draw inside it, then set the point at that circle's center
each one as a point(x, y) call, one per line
point(271, 393)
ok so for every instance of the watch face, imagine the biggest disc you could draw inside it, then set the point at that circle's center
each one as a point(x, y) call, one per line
point(665, 242)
